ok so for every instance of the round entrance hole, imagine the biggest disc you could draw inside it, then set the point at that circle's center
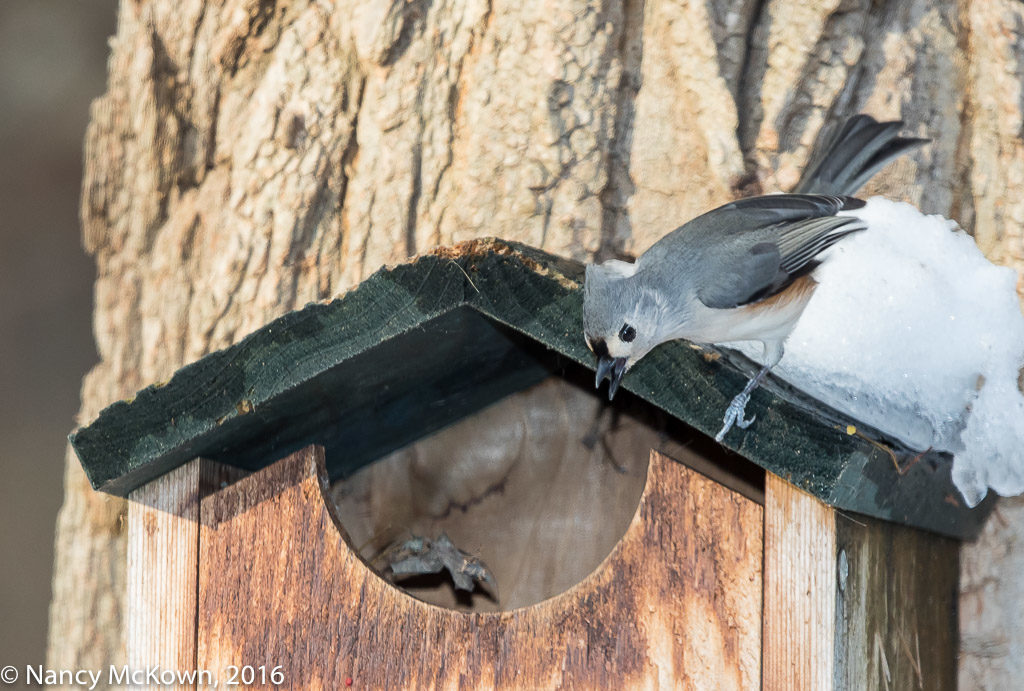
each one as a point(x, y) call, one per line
point(539, 487)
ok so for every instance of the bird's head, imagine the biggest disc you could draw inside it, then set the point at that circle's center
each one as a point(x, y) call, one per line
point(620, 319)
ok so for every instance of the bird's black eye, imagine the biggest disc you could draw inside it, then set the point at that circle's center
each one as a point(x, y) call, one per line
point(627, 333)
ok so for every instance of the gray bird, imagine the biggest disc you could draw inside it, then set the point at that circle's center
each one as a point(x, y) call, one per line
point(742, 272)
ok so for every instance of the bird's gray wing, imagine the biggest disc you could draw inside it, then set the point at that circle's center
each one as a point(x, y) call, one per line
point(799, 243)
point(744, 215)
point(744, 266)
point(749, 271)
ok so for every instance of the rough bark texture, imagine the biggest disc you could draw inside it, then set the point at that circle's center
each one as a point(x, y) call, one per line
point(991, 593)
point(251, 155)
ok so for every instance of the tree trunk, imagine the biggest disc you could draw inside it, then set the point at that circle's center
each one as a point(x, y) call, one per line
point(250, 156)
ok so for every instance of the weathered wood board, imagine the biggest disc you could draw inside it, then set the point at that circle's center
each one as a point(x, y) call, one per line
point(799, 594)
point(163, 563)
point(677, 603)
point(897, 607)
point(855, 603)
point(260, 573)
point(540, 521)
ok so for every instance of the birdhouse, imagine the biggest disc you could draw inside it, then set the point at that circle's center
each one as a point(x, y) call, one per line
point(302, 503)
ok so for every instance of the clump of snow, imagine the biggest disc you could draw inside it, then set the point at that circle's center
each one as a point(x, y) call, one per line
point(913, 331)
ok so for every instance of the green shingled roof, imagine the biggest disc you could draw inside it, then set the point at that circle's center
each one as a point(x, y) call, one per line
point(417, 346)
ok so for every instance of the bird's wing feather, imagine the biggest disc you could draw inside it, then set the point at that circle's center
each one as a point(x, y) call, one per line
point(799, 243)
point(770, 243)
point(856, 152)
point(769, 209)
point(751, 269)
point(743, 217)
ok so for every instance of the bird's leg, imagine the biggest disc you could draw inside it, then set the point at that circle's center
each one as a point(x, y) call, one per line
point(734, 413)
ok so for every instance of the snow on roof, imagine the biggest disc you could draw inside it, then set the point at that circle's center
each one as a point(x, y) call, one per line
point(913, 331)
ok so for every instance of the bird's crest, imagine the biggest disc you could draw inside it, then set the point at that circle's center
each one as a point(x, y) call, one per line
point(611, 270)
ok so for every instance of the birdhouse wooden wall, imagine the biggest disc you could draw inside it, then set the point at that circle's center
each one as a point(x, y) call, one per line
point(730, 577)
point(706, 589)
point(539, 486)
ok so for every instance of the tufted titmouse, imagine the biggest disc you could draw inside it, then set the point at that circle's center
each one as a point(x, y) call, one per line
point(742, 272)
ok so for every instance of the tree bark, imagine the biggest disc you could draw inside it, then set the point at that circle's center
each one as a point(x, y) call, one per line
point(250, 156)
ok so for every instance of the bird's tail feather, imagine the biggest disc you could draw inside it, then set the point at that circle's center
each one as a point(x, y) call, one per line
point(858, 151)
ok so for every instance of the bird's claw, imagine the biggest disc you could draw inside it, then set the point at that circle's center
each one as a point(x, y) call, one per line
point(734, 416)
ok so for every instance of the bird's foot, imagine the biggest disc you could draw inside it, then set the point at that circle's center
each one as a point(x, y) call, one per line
point(734, 416)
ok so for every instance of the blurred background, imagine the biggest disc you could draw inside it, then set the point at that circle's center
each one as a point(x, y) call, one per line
point(52, 64)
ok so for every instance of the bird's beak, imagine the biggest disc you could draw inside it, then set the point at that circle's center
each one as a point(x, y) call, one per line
point(613, 368)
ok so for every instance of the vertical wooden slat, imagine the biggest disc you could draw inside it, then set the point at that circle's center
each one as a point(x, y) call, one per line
point(852, 602)
point(799, 589)
point(163, 553)
point(897, 607)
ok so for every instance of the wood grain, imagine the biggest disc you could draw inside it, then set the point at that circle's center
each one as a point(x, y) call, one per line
point(896, 618)
point(799, 588)
point(163, 553)
point(677, 603)
point(482, 483)
point(852, 602)
point(249, 157)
